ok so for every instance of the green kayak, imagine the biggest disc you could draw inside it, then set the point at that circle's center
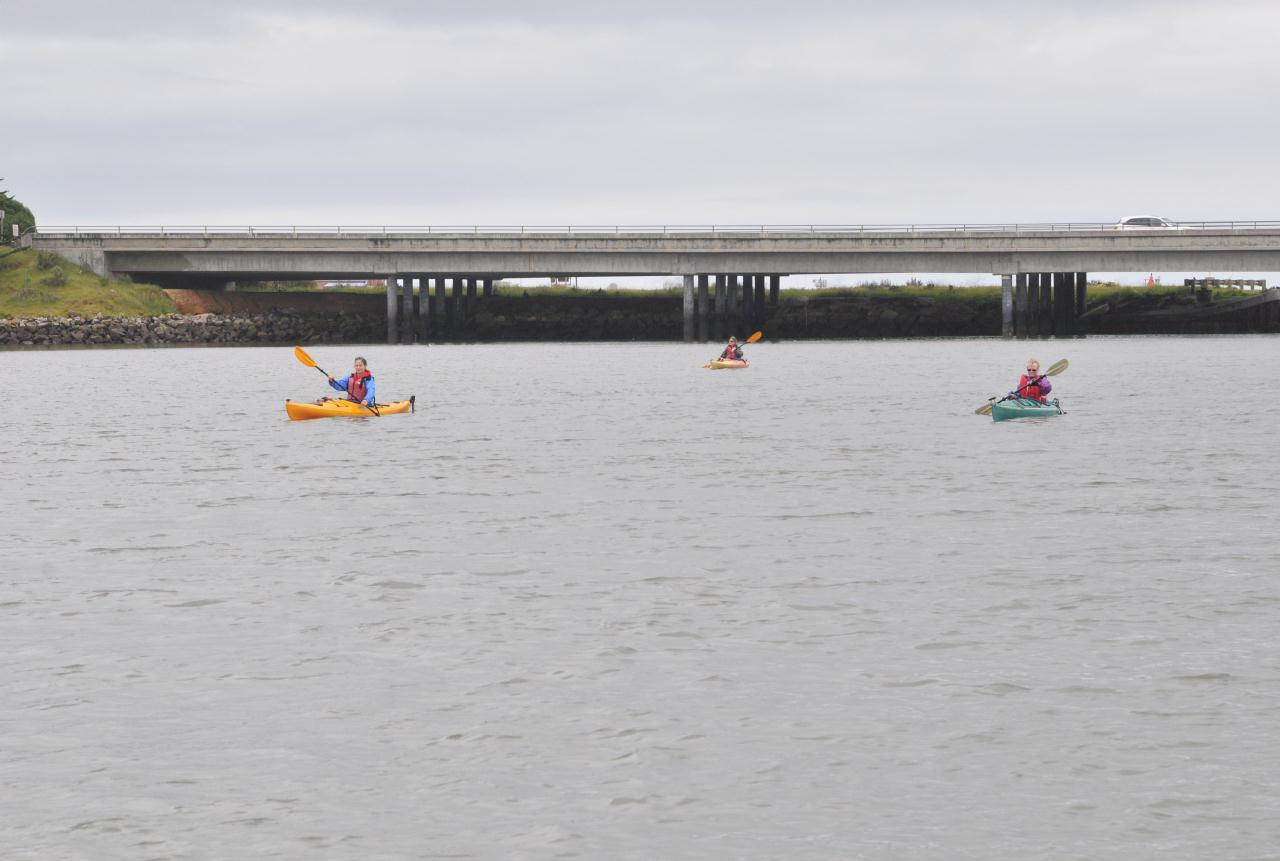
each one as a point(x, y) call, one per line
point(1021, 408)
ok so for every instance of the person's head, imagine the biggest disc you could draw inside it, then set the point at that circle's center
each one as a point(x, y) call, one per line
point(361, 364)
point(732, 339)
point(1033, 366)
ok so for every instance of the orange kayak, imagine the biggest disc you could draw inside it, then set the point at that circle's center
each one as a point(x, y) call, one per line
point(327, 409)
point(723, 364)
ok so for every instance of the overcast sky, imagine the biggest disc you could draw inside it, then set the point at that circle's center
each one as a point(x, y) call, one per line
point(528, 112)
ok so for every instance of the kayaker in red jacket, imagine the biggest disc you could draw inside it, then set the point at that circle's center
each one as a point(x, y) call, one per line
point(358, 385)
point(1032, 385)
point(733, 351)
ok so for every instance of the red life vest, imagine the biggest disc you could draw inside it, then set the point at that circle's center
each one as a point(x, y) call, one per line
point(732, 351)
point(1032, 392)
point(355, 385)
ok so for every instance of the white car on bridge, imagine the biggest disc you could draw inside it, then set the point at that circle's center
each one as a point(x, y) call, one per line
point(1144, 222)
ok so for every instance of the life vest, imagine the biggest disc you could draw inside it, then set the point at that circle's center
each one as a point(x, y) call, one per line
point(356, 389)
point(1032, 392)
point(733, 351)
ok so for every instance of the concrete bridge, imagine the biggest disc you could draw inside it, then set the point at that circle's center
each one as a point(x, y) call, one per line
point(727, 270)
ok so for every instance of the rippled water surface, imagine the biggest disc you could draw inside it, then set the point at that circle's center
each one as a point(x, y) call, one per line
point(593, 601)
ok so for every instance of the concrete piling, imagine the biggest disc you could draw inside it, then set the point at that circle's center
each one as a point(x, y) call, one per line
point(1042, 304)
point(440, 315)
point(455, 308)
point(424, 308)
point(759, 306)
point(1045, 315)
point(722, 283)
point(393, 332)
point(690, 309)
point(703, 332)
point(1006, 306)
point(775, 290)
point(1021, 299)
point(731, 321)
point(406, 309)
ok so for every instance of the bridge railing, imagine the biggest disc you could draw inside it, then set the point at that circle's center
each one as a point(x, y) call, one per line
point(271, 231)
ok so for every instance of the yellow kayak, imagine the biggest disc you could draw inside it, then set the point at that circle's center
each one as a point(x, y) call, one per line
point(327, 409)
point(723, 364)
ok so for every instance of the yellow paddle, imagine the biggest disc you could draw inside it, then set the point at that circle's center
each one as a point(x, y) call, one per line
point(756, 336)
point(301, 355)
point(1056, 368)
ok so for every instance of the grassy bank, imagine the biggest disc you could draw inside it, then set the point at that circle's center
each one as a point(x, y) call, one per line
point(34, 284)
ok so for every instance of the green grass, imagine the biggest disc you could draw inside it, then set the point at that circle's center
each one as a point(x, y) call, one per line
point(41, 285)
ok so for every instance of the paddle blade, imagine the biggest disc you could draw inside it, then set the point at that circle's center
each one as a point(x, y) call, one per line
point(301, 355)
point(984, 410)
point(756, 337)
point(1056, 368)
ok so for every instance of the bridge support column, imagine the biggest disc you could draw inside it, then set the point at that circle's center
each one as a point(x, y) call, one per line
point(747, 312)
point(717, 329)
point(1045, 329)
point(406, 309)
point(775, 289)
point(1064, 304)
point(393, 333)
point(1021, 302)
point(1006, 306)
point(486, 287)
point(1033, 305)
point(730, 307)
point(690, 309)
point(1081, 299)
point(438, 317)
point(455, 309)
point(759, 280)
point(424, 309)
point(703, 298)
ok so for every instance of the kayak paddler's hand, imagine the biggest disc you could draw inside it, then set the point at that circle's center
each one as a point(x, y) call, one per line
point(331, 378)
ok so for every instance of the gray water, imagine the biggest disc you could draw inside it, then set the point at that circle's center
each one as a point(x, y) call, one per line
point(594, 601)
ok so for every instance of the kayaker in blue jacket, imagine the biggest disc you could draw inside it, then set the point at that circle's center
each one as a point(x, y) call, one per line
point(358, 385)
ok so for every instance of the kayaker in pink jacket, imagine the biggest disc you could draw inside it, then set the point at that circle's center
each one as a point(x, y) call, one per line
point(1032, 385)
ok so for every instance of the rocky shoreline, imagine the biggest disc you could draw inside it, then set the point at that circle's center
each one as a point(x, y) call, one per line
point(275, 327)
